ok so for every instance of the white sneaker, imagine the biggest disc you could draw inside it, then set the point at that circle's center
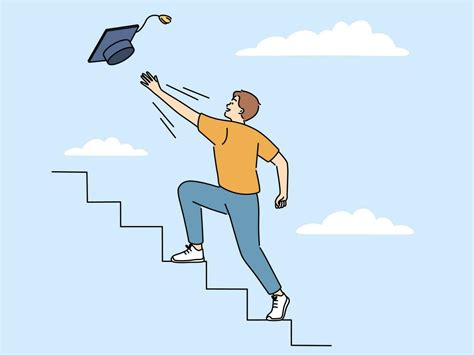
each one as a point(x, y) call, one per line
point(280, 304)
point(190, 255)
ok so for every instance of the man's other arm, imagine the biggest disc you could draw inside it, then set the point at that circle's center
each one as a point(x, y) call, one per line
point(282, 171)
point(151, 82)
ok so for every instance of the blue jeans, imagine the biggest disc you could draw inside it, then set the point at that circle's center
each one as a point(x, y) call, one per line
point(243, 211)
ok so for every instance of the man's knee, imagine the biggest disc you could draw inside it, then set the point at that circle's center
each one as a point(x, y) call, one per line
point(185, 188)
point(252, 255)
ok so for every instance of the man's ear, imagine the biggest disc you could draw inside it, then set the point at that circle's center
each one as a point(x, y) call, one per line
point(241, 111)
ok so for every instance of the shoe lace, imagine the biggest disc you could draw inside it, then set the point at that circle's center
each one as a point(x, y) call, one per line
point(275, 301)
point(188, 249)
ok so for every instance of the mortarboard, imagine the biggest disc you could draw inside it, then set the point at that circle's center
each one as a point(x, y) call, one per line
point(115, 45)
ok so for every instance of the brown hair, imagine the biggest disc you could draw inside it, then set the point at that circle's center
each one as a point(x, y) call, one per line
point(247, 102)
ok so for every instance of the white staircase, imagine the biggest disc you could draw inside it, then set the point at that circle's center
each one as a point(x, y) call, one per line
point(190, 303)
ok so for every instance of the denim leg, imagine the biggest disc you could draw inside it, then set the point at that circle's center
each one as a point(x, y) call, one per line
point(243, 211)
point(194, 195)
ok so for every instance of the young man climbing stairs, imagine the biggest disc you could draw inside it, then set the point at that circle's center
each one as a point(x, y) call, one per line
point(237, 147)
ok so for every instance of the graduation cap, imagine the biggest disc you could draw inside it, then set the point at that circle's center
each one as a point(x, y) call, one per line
point(115, 44)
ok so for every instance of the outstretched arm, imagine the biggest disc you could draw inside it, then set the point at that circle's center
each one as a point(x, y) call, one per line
point(151, 82)
point(282, 172)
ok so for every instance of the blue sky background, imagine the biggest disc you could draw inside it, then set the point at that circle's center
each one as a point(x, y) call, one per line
point(390, 134)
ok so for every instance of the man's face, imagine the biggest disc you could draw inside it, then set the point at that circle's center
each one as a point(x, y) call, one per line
point(233, 111)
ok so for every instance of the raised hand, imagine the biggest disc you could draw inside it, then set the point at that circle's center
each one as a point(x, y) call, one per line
point(150, 82)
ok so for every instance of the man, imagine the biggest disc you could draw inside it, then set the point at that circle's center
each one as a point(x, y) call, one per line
point(236, 149)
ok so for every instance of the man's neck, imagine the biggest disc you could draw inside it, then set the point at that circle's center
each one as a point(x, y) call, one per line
point(239, 120)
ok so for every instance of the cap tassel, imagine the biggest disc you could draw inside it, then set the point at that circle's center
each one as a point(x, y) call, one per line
point(164, 19)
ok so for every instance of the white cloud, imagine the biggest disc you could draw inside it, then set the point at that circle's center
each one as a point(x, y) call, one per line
point(109, 147)
point(356, 39)
point(362, 221)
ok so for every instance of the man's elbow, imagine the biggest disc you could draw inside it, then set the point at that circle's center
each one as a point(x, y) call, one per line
point(280, 161)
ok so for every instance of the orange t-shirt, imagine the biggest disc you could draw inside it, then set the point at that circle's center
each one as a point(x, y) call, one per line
point(236, 148)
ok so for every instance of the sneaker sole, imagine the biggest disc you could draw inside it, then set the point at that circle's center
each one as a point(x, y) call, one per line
point(285, 307)
point(188, 261)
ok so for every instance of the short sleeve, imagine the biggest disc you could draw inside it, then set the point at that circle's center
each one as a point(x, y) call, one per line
point(212, 128)
point(266, 149)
